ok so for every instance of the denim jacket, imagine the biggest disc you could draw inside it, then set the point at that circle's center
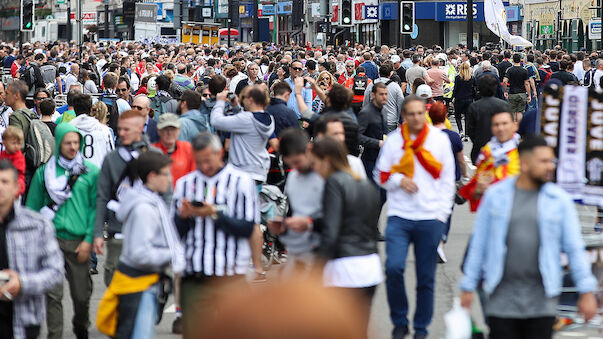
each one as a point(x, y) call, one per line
point(559, 232)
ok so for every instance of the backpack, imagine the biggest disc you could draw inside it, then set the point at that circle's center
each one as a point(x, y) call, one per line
point(360, 84)
point(49, 73)
point(548, 72)
point(537, 74)
point(272, 203)
point(111, 101)
point(158, 103)
point(39, 143)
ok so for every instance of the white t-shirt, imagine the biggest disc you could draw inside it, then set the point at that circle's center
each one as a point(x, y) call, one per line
point(597, 78)
point(353, 272)
point(98, 139)
point(357, 166)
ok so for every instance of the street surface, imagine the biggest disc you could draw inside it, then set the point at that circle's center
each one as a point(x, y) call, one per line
point(447, 279)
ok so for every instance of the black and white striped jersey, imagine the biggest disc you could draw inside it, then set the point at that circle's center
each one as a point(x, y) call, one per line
point(209, 250)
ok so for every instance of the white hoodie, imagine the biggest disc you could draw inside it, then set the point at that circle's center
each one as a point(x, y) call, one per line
point(98, 138)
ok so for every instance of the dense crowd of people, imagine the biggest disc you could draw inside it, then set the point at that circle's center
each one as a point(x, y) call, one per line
point(162, 158)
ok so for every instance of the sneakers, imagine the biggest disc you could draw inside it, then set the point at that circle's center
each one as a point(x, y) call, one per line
point(177, 325)
point(441, 255)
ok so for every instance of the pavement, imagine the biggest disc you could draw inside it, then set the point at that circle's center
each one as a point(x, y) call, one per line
point(447, 278)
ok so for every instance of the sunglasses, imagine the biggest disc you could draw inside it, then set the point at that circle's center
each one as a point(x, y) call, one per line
point(119, 90)
point(38, 98)
point(140, 108)
point(349, 66)
point(296, 68)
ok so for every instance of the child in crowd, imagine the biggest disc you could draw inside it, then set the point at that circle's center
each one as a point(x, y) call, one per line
point(12, 138)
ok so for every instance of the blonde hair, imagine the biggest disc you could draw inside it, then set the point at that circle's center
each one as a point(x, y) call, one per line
point(100, 111)
point(12, 132)
point(170, 74)
point(465, 72)
point(331, 78)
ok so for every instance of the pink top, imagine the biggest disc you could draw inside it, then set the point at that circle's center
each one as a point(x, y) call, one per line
point(438, 76)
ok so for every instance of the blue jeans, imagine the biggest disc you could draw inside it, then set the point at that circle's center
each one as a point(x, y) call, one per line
point(426, 235)
point(146, 317)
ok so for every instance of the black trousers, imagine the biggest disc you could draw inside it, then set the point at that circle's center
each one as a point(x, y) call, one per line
point(530, 328)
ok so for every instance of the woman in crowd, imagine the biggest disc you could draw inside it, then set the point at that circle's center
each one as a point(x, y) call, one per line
point(325, 81)
point(150, 244)
point(89, 85)
point(463, 95)
point(349, 225)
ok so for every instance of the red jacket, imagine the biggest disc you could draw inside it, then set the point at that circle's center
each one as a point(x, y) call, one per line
point(183, 159)
point(18, 160)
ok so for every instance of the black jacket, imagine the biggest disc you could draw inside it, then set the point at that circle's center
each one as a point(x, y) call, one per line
point(349, 224)
point(349, 124)
point(479, 122)
point(284, 117)
point(371, 128)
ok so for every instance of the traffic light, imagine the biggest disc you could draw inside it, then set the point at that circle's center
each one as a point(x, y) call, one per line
point(27, 15)
point(407, 17)
point(346, 13)
point(297, 13)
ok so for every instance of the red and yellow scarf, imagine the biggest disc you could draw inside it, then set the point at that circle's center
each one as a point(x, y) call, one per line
point(414, 149)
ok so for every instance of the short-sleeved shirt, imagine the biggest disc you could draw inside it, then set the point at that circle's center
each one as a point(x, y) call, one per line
point(415, 72)
point(438, 76)
point(402, 74)
point(517, 76)
point(457, 146)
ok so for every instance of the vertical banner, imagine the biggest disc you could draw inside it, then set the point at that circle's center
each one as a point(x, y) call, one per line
point(549, 117)
point(593, 189)
point(572, 140)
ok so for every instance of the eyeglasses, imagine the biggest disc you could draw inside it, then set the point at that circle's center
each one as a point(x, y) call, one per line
point(38, 98)
point(296, 68)
point(206, 95)
point(119, 90)
point(349, 66)
point(140, 108)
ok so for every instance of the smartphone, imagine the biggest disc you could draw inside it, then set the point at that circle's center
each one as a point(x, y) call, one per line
point(197, 203)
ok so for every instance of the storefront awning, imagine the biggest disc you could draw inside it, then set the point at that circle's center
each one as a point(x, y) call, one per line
point(224, 31)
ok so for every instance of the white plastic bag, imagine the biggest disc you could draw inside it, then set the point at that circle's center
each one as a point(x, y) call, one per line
point(458, 322)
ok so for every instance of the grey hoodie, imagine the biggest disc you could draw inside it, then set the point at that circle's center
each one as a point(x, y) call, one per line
point(247, 140)
point(144, 247)
point(193, 122)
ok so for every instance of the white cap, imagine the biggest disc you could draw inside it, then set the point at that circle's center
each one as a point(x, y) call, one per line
point(39, 51)
point(395, 58)
point(424, 91)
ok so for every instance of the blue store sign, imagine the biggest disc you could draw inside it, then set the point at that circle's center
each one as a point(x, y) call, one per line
point(512, 13)
point(245, 9)
point(284, 7)
point(268, 10)
point(448, 11)
point(388, 11)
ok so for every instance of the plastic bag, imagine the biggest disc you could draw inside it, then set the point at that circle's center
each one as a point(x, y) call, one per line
point(458, 322)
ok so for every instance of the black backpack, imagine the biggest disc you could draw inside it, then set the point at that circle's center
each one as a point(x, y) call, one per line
point(111, 101)
point(360, 84)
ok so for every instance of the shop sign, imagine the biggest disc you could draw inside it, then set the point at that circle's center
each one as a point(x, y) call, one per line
point(546, 29)
point(388, 11)
point(512, 13)
point(284, 7)
point(594, 29)
point(146, 13)
point(245, 10)
point(268, 10)
point(457, 11)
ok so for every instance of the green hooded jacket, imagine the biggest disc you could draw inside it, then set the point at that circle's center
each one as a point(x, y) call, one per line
point(75, 218)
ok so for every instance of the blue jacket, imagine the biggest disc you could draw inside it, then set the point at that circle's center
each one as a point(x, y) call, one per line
point(559, 232)
point(284, 117)
point(192, 122)
point(306, 94)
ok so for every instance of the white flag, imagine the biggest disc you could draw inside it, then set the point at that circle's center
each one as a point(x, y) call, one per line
point(496, 20)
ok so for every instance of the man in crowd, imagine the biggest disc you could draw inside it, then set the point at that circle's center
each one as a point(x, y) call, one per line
point(5, 110)
point(64, 190)
point(123, 89)
point(179, 151)
point(16, 92)
point(31, 273)
point(191, 119)
point(480, 114)
point(97, 137)
point(439, 77)
point(72, 76)
point(416, 71)
point(371, 127)
point(284, 117)
point(129, 146)
point(225, 193)
point(563, 75)
point(395, 97)
point(349, 72)
point(419, 178)
point(296, 71)
point(535, 222)
point(517, 80)
point(372, 71)
point(143, 104)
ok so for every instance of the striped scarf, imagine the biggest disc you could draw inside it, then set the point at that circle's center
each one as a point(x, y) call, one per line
point(414, 149)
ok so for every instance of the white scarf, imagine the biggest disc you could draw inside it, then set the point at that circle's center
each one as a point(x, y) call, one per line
point(58, 186)
point(167, 223)
point(500, 150)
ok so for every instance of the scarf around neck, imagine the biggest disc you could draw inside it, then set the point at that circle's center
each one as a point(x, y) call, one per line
point(57, 186)
point(414, 149)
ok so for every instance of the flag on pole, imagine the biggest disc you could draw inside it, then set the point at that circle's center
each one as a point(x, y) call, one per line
point(496, 20)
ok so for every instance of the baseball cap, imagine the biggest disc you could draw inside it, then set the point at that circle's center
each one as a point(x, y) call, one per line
point(395, 58)
point(168, 120)
point(424, 91)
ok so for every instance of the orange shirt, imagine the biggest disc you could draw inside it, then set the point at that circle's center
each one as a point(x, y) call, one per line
point(183, 159)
